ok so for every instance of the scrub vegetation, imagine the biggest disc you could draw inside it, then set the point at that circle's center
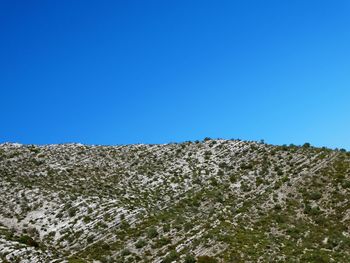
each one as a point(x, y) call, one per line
point(204, 201)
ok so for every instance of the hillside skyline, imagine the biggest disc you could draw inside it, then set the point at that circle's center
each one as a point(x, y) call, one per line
point(261, 141)
point(215, 201)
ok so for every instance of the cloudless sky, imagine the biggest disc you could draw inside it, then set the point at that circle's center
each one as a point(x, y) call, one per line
point(120, 72)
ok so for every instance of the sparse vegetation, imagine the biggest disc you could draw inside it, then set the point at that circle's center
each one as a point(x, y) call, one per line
point(209, 201)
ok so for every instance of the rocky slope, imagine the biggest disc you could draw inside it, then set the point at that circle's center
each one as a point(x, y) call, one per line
point(209, 201)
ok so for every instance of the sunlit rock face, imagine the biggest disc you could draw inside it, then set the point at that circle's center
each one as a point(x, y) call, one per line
point(209, 201)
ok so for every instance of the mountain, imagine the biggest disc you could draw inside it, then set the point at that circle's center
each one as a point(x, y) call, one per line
point(208, 201)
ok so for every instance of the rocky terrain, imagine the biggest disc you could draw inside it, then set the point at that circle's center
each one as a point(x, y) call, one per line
point(208, 201)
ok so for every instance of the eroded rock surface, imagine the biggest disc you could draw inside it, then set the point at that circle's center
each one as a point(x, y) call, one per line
point(211, 201)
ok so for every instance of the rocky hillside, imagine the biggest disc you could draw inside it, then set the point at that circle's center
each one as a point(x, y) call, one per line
point(209, 201)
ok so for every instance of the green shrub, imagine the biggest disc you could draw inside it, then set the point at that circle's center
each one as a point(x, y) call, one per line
point(152, 232)
point(206, 259)
point(141, 243)
point(90, 239)
point(258, 181)
point(190, 258)
point(306, 145)
point(166, 228)
point(346, 184)
point(312, 210)
point(28, 241)
point(162, 242)
point(172, 256)
point(125, 252)
point(72, 211)
point(124, 224)
point(86, 219)
point(315, 195)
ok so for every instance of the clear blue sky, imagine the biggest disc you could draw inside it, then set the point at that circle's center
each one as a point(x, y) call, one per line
point(117, 72)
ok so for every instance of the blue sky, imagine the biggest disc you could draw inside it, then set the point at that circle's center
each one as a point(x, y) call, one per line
point(119, 72)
